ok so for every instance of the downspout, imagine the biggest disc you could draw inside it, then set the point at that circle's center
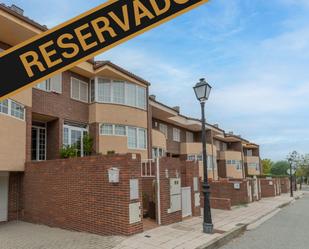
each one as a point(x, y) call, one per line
point(158, 190)
point(212, 151)
point(243, 161)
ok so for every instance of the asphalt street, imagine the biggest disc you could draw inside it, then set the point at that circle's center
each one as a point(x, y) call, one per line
point(286, 230)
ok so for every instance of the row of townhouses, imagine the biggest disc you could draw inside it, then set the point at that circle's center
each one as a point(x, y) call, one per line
point(110, 106)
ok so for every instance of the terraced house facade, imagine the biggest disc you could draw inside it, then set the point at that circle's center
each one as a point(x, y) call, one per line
point(104, 103)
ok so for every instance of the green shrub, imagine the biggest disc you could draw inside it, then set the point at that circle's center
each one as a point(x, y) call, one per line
point(87, 143)
point(69, 151)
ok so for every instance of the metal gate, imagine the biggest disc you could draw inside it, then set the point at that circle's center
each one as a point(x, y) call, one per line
point(4, 188)
point(186, 201)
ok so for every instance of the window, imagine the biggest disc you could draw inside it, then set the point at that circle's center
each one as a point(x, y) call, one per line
point(4, 106)
point(104, 90)
point(254, 165)
point(131, 94)
point(17, 110)
point(92, 91)
point(137, 137)
point(120, 130)
point(132, 137)
point(107, 129)
point(120, 92)
point(237, 163)
point(191, 157)
point(53, 84)
point(12, 108)
point(79, 90)
point(74, 135)
point(141, 97)
point(157, 152)
point(249, 152)
point(176, 135)
point(189, 137)
point(163, 129)
point(142, 138)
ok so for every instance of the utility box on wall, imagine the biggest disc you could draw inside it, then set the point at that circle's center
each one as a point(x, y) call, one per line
point(175, 195)
point(113, 175)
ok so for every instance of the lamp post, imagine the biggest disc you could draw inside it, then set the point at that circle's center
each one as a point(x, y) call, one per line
point(291, 177)
point(202, 90)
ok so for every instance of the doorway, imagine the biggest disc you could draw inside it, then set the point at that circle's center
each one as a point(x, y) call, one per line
point(38, 143)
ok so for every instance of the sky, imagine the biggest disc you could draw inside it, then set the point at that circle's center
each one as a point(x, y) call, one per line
point(254, 53)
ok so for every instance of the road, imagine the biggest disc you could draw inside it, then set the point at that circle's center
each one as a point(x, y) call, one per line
point(286, 230)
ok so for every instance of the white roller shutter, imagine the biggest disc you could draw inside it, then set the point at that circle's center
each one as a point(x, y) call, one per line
point(56, 83)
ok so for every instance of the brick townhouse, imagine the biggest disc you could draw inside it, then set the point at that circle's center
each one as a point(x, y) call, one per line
point(112, 106)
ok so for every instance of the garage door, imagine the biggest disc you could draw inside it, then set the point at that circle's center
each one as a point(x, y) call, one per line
point(4, 188)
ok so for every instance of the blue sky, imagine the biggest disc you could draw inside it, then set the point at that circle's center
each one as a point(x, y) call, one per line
point(255, 54)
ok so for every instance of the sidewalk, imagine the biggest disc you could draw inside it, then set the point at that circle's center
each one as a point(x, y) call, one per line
point(188, 234)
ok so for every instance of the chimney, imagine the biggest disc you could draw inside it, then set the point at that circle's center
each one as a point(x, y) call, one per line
point(17, 9)
point(152, 96)
point(216, 125)
point(231, 133)
point(177, 108)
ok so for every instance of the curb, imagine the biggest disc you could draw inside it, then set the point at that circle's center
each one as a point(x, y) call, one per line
point(236, 232)
point(227, 237)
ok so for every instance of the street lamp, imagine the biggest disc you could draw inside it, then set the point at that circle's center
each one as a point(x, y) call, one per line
point(202, 90)
point(291, 177)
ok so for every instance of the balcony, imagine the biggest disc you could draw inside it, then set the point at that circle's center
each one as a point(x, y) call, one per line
point(158, 139)
point(230, 155)
point(196, 148)
point(252, 159)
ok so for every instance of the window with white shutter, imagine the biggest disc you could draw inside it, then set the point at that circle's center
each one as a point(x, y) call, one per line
point(176, 135)
point(56, 83)
point(79, 90)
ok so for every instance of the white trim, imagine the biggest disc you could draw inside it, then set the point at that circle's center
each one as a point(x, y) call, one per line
point(127, 134)
point(38, 128)
point(111, 81)
point(80, 82)
point(10, 110)
point(76, 128)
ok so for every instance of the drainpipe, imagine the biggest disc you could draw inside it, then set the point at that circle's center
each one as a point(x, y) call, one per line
point(158, 190)
point(212, 151)
point(243, 161)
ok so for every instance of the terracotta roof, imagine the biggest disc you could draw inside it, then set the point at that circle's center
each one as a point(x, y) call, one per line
point(181, 115)
point(22, 17)
point(96, 64)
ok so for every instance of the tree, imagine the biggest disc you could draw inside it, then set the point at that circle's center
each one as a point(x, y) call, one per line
point(280, 168)
point(267, 165)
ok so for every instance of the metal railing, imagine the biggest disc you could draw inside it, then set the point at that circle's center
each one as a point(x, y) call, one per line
point(148, 168)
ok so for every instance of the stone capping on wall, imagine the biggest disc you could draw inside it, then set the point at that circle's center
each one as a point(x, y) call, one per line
point(75, 194)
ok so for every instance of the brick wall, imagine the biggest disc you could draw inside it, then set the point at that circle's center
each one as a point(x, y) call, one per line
point(220, 203)
point(173, 165)
point(268, 188)
point(76, 194)
point(15, 196)
point(224, 188)
point(285, 185)
point(188, 172)
point(61, 105)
